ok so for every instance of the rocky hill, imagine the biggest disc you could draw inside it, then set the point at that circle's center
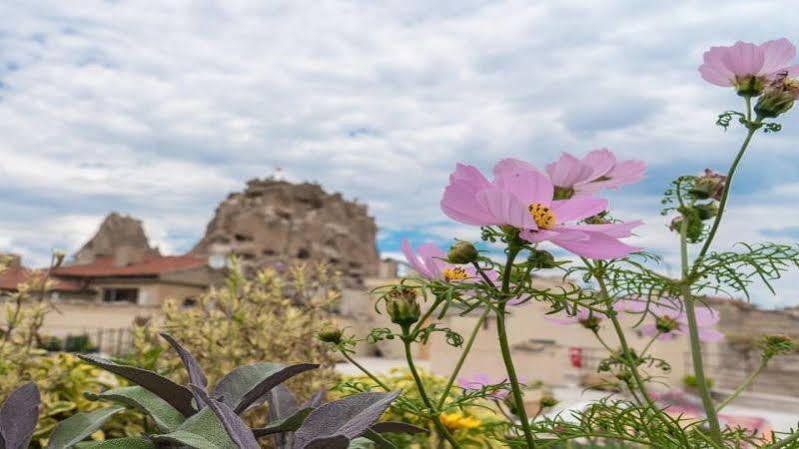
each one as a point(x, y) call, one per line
point(275, 221)
point(120, 237)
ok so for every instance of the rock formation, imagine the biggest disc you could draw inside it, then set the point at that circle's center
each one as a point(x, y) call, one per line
point(121, 237)
point(275, 221)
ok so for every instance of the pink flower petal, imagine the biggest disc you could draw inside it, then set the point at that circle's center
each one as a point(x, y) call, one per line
point(601, 162)
point(578, 208)
point(506, 208)
point(529, 186)
point(713, 69)
point(510, 165)
point(744, 58)
point(778, 54)
point(431, 256)
point(413, 260)
point(596, 246)
point(618, 230)
point(710, 335)
point(459, 204)
point(568, 171)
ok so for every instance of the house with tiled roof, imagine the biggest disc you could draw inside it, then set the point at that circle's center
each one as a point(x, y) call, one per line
point(128, 278)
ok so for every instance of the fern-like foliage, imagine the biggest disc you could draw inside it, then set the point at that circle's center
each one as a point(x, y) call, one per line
point(736, 271)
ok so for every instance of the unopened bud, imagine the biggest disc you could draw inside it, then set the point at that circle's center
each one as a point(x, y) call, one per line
point(623, 376)
point(665, 324)
point(462, 252)
point(330, 335)
point(709, 185)
point(591, 323)
point(778, 98)
point(540, 259)
point(402, 306)
point(547, 400)
point(707, 211)
point(774, 345)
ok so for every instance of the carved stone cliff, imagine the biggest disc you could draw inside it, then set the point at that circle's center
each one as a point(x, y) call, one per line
point(121, 237)
point(275, 221)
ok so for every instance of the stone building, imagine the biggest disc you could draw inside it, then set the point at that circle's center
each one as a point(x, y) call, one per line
point(274, 221)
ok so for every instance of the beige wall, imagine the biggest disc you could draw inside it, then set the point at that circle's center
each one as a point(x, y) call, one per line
point(537, 358)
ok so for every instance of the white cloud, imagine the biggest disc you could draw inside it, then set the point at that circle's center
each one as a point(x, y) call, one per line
point(159, 109)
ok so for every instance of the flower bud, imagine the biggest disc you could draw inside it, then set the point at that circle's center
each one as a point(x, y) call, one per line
point(624, 376)
point(540, 259)
point(778, 98)
point(547, 401)
point(774, 345)
point(402, 306)
point(710, 185)
point(591, 323)
point(665, 324)
point(462, 252)
point(707, 211)
point(330, 335)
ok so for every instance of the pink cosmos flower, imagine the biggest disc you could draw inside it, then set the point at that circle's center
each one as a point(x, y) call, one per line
point(480, 381)
point(748, 67)
point(430, 262)
point(597, 170)
point(672, 321)
point(522, 197)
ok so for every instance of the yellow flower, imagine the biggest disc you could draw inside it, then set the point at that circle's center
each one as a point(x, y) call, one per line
point(457, 420)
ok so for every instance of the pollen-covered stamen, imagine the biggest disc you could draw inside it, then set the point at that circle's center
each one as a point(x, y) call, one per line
point(454, 274)
point(543, 216)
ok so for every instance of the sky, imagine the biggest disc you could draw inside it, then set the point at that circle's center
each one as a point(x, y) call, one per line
point(160, 109)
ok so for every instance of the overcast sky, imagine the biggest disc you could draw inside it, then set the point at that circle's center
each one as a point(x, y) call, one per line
point(159, 109)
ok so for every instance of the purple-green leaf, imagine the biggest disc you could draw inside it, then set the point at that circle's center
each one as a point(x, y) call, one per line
point(334, 442)
point(235, 427)
point(349, 417)
point(19, 415)
point(176, 395)
point(263, 387)
point(196, 374)
point(397, 427)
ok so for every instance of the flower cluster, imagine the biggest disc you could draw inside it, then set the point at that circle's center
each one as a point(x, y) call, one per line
point(521, 197)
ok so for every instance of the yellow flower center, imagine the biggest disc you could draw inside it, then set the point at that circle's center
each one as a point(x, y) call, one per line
point(543, 216)
point(457, 421)
point(454, 274)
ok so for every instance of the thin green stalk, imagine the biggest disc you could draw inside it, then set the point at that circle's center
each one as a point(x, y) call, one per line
point(462, 358)
point(724, 195)
point(504, 347)
point(442, 430)
point(696, 348)
point(746, 383)
point(783, 443)
point(365, 371)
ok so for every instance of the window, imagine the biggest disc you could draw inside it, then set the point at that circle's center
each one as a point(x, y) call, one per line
point(121, 295)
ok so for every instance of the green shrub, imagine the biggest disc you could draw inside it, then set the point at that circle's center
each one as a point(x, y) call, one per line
point(269, 316)
point(473, 427)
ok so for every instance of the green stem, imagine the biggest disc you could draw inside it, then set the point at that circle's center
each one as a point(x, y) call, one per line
point(724, 195)
point(746, 383)
point(783, 443)
point(502, 334)
point(365, 371)
point(696, 348)
point(442, 430)
point(462, 358)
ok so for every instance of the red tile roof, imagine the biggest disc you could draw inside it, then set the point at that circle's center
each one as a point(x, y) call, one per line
point(151, 266)
point(13, 276)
